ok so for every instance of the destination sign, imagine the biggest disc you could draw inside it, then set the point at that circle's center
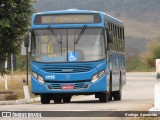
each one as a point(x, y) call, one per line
point(67, 18)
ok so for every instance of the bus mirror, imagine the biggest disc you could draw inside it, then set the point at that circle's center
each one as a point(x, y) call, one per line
point(110, 36)
point(26, 40)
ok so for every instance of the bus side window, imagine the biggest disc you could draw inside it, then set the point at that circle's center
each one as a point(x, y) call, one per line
point(107, 28)
point(122, 33)
point(106, 39)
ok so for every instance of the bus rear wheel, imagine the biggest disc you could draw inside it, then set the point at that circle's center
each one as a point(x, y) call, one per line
point(45, 98)
point(117, 95)
point(103, 97)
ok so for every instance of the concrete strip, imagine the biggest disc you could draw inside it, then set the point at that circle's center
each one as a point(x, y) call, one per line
point(21, 101)
point(10, 102)
point(35, 99)
point(154, 109)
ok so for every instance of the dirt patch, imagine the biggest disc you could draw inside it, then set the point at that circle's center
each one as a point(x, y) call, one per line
point(7, 95)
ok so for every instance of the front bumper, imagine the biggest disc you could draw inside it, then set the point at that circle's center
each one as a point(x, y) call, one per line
point(80, 87)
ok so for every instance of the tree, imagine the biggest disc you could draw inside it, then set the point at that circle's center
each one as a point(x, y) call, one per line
point(15, 16)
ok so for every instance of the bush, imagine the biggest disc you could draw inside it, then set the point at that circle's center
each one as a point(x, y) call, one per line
point(154, 53)
point(136, 64)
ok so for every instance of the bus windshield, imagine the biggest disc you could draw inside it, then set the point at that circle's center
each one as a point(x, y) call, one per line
point(68, 45)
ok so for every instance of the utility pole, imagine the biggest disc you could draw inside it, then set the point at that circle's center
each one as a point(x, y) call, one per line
point(25, 87)
point(27, 63)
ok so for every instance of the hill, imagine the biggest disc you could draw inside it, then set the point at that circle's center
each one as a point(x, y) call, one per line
point(141, 17)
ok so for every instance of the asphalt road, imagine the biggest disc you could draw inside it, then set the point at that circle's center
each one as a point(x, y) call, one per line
point(138, 95)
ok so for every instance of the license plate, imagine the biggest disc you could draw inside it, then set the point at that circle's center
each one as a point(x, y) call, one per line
point(67, 87)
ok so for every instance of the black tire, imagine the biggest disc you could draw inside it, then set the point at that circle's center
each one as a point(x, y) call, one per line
point(66, 99)
point(110, 96)
point(45, 98)
point(103, 97)
point(117, 95)
point(110, 87)
point(57, 100)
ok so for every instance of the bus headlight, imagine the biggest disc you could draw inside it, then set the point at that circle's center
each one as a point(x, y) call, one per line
point(97, 76)
point(34, 75)
point(38, 77)
point(94, 78)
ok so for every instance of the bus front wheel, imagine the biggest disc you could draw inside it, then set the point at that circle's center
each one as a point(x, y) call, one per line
point(66, 99)
point(57, 100)
point(103, 97)
point(45, 98)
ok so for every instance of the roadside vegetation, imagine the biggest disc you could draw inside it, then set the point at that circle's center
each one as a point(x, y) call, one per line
point(15, 16)
point(143, 62)
point(15, 85)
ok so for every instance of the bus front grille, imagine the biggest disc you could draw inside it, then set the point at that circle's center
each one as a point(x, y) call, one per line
point(67, 68)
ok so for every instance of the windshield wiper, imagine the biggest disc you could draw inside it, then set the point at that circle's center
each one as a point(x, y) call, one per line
point(55, 35)
point(80, 34)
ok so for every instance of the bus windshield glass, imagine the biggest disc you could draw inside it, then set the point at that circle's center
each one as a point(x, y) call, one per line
point(68, 45)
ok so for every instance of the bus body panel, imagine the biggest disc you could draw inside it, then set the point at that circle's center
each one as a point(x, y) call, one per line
point(113, 64)
point(75, 78)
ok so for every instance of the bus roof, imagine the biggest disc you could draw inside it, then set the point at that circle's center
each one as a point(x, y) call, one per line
point(109, 17)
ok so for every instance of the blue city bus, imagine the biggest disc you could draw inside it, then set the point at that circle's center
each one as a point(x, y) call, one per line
point(77, 52)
